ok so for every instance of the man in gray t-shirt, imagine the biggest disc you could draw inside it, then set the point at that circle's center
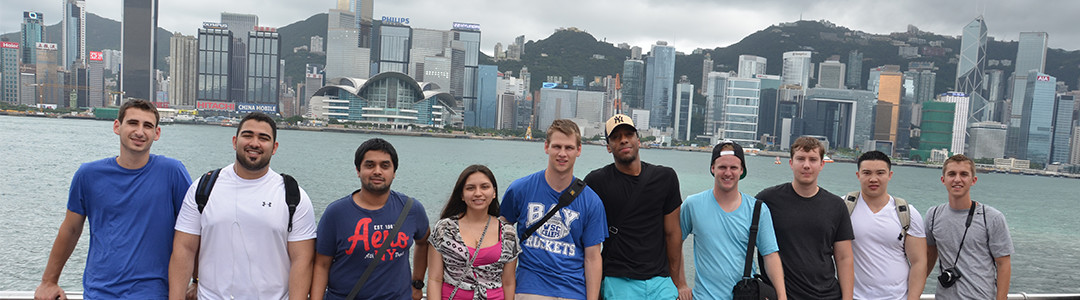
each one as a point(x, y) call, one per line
point(969, 237)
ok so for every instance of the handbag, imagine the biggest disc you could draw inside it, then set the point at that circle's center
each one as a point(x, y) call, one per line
point(753, 288)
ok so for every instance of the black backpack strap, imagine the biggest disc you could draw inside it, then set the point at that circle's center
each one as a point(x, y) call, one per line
point(565, 199)
point(386, 244)
point(753, 240)
point(292, 196)
point(206, 185)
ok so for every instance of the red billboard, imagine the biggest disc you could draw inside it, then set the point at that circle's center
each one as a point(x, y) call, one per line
point(97, 56)
point(9, 45)
point(210, 105)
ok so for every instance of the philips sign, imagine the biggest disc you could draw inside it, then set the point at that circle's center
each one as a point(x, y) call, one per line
point(395, 20)
point(251, 107)
point(467, 26)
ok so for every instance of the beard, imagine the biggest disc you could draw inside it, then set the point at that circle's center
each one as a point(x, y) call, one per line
point(375, 189)
point(629, 158)
point(249, 165)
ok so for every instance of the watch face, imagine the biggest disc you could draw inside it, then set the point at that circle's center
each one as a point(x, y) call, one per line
point(418, 284)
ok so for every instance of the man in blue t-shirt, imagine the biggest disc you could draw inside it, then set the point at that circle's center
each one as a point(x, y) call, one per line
point(131, 201)
point(562, 258)
point(354, 227)
point(720, 220)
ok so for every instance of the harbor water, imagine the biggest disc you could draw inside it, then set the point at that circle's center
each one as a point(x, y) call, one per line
point(38, 156)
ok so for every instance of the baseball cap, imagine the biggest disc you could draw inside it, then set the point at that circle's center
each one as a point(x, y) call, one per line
point(737, 151)
point(615, 121)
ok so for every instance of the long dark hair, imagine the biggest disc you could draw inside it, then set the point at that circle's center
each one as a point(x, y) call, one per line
point(455, 206)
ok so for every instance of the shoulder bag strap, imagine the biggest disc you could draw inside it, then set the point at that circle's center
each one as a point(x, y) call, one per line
point(292, 196)
point(206, 185)
point(469, 262)
point(753, 240)
point(565, 199)
point(613, 223)
point(386, 244)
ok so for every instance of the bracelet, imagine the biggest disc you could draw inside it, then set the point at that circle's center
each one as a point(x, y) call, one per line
point(195, 280)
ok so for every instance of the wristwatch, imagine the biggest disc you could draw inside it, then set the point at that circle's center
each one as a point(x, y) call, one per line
point(418, 284)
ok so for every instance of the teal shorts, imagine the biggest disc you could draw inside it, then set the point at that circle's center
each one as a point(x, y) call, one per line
point(658, 287)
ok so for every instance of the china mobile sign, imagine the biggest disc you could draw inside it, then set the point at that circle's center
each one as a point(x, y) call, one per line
point(252, 107)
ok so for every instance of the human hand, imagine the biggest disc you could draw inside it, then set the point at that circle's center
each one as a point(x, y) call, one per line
point(685, 293)
point(192, 291)
point(417, 294)
point(49, 291)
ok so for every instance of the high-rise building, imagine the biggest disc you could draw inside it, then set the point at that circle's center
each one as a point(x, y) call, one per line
point(1075, 145)
point(183, 59)
point(797, 68)
point(33, 32)
point(1030, 56)
point(466, 39)
point(95, 67)
point(969, 71)
point(937, 128)
point(840, 115)
point(313, 81)
point(343, 57)
point(706, 67)
point(212, 83)
point(240, 24)
point(960, 122)
point(831, 74)
point(427, 43)
point(49, 80)
point(1062, 130)
point(633, 83)
point(316, 45)
point(750, 65)
point(139, 45)
point(264, 75)
point(731, 111)
point(9, 72)
point(985, 140)
point(73, 30)
point(27, 92)
point(1036, 123)
point(483, 112)
point(113, 58)
point(390, 47)
point(854, 69)
point(684, 110)
point(889, 93)
point(660, 84)
point(995, 94)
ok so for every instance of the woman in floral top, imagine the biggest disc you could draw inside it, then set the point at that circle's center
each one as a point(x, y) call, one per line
point(473, 253)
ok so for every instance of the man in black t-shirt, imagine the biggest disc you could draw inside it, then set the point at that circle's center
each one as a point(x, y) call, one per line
point(642, 204)
point(813, 229)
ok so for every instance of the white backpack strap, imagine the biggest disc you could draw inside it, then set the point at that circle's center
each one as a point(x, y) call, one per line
point(850, 200)
point(903, 212)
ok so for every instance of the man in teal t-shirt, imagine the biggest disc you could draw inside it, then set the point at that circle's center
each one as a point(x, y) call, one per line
point(720, 220)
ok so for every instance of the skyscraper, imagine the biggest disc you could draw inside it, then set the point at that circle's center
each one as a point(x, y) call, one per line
point(9, 72)
point(343, 57)
point(854, 69)
point(684, 110)
point(1062, 131)
point(797, 68)
point(840, 115)
point(183, 58)
point(33, 32)
point(960, 122)
point(95, 66)
point(889, 94)
point(831, 74)
point(731, 111)
point(633, 83)
point(659, 84)
point(263, 76)
point(73, 30)
point(390, 47)
point(1038, 118)
point(212, 83)
point(48, 79)
point(969, 71)
point(706, 67)
point(1030, 56)
point(750, 65)
point(139, 45)
point(466, 37)
point(985, 140)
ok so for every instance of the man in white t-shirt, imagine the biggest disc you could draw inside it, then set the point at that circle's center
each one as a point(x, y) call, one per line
point(242, 235)
point(890, 260)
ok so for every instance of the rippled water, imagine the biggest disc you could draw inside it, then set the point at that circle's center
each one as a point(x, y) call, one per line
point(38, 157)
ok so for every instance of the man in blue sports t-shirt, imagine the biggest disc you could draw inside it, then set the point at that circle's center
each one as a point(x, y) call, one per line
point(561, 260)
point(131, 201)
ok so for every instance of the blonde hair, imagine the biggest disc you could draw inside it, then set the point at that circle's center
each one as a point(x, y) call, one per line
point(567, 127)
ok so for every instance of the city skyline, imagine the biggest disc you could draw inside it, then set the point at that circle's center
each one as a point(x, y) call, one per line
point(690, 25)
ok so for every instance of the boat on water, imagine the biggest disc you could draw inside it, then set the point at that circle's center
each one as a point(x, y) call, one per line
point(777, 161)
point(828, 159)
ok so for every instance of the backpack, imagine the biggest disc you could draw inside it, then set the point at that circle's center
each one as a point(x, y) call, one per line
point(206, 185)
point(902, 211)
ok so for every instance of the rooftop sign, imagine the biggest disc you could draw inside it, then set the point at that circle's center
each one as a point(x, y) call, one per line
point(466, 26)
point(212, 25)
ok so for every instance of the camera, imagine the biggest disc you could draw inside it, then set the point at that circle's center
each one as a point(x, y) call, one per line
point(949, 277)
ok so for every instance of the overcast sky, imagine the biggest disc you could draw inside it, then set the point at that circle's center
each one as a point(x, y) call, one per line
point(685, 24)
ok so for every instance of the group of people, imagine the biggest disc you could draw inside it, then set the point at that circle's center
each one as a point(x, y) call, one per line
point(245, 231)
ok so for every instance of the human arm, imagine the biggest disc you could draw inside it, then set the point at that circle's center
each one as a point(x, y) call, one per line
point(915, 248)
point(66, 240)
point(182, 263)
point(1004, 275)
point(420, 262)
point(435, 274)
point(845, 268)
point(931, 258)
point(509, 279)
point(775, 269)
point(320, 276)
point(673, 240)
point(301, 254)
point(594, 270)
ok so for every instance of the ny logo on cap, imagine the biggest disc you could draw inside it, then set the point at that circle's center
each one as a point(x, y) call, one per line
point(618, 119)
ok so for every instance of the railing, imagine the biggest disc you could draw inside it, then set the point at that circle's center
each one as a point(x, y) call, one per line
point(23, 295)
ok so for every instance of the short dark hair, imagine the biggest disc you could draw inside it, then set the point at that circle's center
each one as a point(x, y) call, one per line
point(454, 205)
point(874, 155)
point(376, 144)
point(138, 104)
point(959, 158)
point(807, 144)
point(261, 117)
